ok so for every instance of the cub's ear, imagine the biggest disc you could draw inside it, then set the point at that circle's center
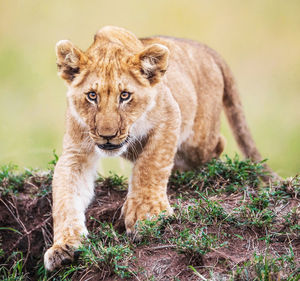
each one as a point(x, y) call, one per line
point(153, 62)
point(69, 59)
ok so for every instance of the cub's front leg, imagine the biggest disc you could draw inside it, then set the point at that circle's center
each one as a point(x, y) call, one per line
point(147, 193)
point(72, 192)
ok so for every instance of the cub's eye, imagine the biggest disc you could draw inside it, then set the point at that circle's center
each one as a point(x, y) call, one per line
point(92, 96)
point(125, 96)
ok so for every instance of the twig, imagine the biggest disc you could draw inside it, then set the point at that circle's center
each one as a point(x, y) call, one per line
point(30, 231)
point(25, 229)
point(17, 218)
point(160, 247)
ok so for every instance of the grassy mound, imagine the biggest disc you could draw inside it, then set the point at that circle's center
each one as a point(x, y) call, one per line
point(227, 225)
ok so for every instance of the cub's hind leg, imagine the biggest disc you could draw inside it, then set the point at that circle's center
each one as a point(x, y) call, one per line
point(190, 157)
point(204, 141)
point(219, 147)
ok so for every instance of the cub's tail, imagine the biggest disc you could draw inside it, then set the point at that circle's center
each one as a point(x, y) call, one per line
point(236, 117)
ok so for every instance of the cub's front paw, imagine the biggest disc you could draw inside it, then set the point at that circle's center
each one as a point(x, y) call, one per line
point(143, 207)
point(59, 255)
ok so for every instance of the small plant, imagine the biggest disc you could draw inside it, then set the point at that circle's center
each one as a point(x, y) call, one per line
point(264, 267)
point(247, 216)
point(152, 230)
point(259, 202)
point(116, 181)
point(202, 210)
point(292, 220)
point(212, 210)
point(54, 161)
point(107, 257)
point(15, 271)
point(291, 186)
point(194, 244)
point(10, 180)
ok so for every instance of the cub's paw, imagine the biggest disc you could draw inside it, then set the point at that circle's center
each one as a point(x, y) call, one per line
point(138, 208)
point(59, 255)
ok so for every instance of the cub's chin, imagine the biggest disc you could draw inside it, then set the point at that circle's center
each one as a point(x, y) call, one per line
point(111, 150)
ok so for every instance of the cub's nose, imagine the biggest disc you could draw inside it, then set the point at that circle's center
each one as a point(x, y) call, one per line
point(108, 137)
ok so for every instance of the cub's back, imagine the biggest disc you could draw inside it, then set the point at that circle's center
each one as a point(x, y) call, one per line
point(193, 76)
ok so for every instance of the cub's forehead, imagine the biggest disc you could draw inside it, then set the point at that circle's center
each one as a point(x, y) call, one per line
point(108, 70)
point(108, 57)
point(102, 83)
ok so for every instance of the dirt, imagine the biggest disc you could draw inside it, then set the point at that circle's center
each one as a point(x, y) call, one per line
point(30, 215)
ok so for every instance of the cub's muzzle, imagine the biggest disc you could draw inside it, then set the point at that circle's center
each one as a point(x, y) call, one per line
point(111, 146)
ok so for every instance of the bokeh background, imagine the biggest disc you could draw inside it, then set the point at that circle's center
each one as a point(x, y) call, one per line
point(260, 40)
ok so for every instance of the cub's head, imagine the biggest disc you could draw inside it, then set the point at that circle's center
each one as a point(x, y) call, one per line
point(111, 85)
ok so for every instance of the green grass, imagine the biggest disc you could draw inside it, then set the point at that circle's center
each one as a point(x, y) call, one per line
point(11, 182)
point(264, 267)
point(221, 204)
point(227, 175)
point(15, 271)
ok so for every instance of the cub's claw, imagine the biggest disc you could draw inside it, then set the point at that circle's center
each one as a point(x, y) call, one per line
point(59, 255)
point(137, 209)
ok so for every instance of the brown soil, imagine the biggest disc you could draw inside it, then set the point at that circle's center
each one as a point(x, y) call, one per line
point(30, 215)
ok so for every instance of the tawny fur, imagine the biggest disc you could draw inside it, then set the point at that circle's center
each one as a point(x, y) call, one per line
point(179, 88)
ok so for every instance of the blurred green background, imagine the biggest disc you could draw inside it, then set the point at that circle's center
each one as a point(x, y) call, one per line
point(259, 39)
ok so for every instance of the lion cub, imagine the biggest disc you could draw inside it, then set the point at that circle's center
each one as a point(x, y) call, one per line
point(155, 101)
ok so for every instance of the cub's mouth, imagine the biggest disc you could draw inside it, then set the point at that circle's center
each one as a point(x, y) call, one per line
point(111, 146)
